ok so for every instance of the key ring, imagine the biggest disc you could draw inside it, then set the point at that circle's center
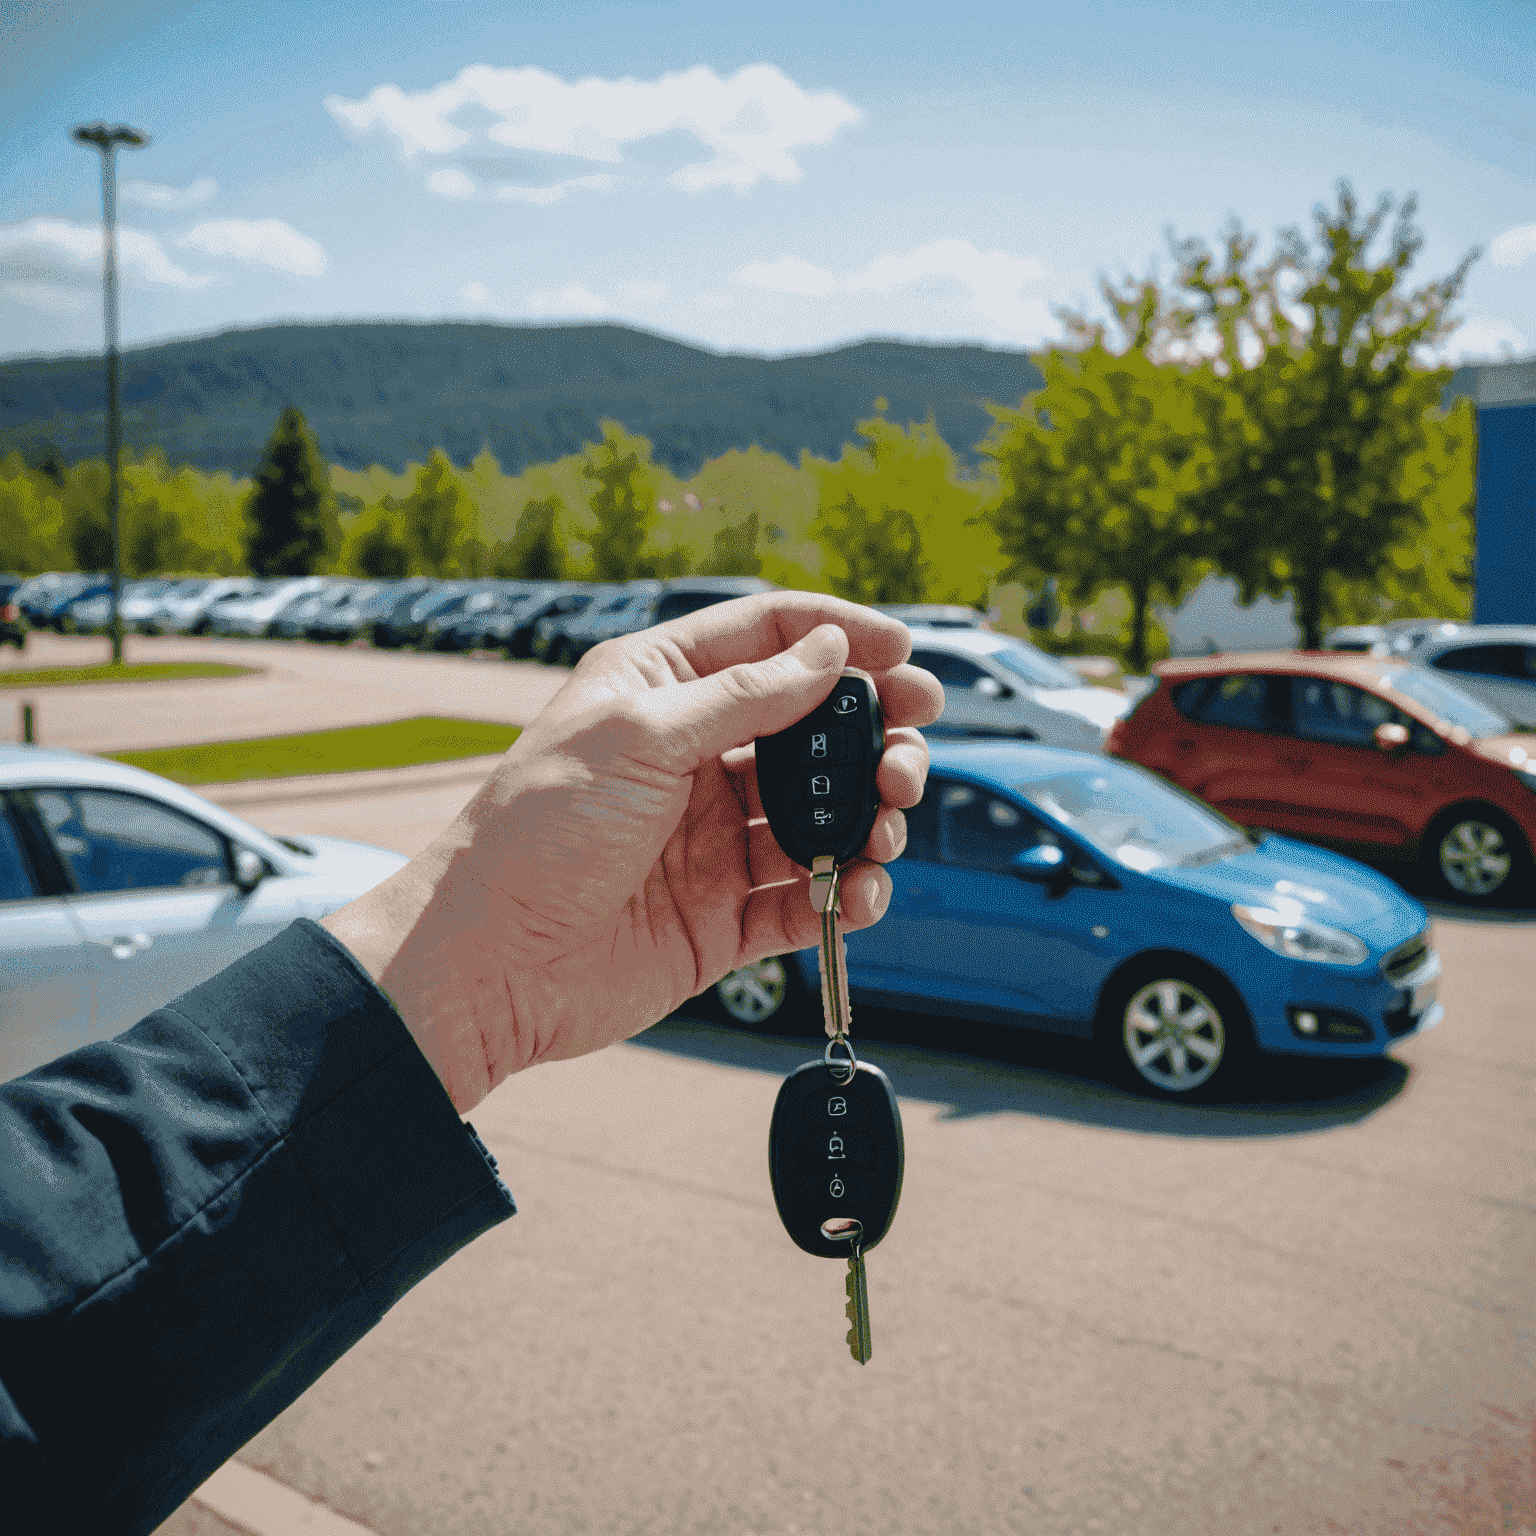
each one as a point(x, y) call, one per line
point(842, 1072)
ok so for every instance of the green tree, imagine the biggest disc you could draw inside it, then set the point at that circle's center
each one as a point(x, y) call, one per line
point(734, 552)
point(437, 518)
point(623, 503)
point(374, 545)
point(1101, 472)
point(293, 529)
point(32, 535)
point(1331, 459)
point(535, 551)
point(875, 555)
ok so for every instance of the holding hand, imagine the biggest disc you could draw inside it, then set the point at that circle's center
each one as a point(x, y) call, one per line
point(616, 863)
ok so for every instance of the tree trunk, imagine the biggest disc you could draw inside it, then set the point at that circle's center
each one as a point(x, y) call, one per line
point(1309, 609)
point(1136, 654)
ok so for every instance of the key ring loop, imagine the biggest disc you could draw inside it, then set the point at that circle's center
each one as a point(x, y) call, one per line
point(842, 1072)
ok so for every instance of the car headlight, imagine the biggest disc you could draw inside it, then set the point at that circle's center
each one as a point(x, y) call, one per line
point(1285, 929)
point(1527, 776)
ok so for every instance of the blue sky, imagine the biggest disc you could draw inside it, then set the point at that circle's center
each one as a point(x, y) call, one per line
point(774, 179)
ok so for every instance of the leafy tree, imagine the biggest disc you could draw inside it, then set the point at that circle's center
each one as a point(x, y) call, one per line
point(32, 535)
point(897, 522)
point(437, 518)
point(293, 526)
point(623, 503)
point(1100, 475)
point(1328, 432)
point(535, 551)
point(375, 546)
point(734, 552)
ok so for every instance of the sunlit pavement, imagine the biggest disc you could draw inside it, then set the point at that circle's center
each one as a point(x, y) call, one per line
point(1309, 1311)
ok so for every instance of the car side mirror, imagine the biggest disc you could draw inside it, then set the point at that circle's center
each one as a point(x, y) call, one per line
point(1042, 864)
point(987, 687)
point(250, 868)
point(1391, 737)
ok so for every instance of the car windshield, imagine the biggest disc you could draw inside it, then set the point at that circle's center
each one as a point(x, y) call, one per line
point(195, 586)
point(1035, 667)
point(1133, 817)
point(1449, 702)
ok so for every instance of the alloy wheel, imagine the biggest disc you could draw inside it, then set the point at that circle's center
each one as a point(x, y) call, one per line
point(1173, 1034)
point(752, 994)
point(1475, 858)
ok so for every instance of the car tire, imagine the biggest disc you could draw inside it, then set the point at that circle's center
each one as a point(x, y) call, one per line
point(1478, 856)
point(766, 995)
point(1175, 1030)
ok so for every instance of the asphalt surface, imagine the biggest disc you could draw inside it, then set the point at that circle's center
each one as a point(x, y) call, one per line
point(1308, 1311)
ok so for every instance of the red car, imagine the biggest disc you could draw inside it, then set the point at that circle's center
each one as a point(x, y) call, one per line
point(1370, 756)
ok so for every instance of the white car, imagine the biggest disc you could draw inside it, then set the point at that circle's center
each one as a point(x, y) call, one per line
point(253, 613)
point(997, 685)
point(185, 611)
point(1494, 662)
point(119, 890)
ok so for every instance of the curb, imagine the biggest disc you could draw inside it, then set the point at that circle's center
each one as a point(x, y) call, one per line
point(342, 786)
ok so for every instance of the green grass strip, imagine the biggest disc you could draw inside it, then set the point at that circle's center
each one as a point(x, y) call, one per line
point(395, 744)
point(132, 672)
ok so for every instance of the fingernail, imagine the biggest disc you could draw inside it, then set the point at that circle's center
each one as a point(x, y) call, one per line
point(822, 648)
point(876, 892)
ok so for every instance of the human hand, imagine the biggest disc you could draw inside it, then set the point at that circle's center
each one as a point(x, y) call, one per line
point(616, 863)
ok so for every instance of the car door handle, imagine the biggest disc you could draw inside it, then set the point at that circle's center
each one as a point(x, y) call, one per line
point(126, 945)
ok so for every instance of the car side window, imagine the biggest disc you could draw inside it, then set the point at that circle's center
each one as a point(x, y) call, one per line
point(1485, 661)
point(16, 882)
point(675, 604)
point(1243, 701)
point(111, 841)
point(984, 831)
point(1338, 714)
point(951, 671)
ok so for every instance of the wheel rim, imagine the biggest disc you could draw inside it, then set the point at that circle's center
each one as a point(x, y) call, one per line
point(1474, 858)
point(754, 992)
point(1174, 1035)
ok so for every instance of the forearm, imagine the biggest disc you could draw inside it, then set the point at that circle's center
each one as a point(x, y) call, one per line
point(198, 1217)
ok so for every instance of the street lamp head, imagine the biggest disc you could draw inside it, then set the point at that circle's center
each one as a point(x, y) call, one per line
point(102, 137)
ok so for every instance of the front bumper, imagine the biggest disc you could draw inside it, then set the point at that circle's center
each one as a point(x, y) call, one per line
point(1350, 1013)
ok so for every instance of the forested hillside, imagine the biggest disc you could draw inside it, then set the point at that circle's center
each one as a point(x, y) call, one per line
point(389, 394)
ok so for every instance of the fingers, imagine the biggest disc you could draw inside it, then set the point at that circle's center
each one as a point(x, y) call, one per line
point(750, 629)
point(781, 918)
point(909, 696)
point(900, 778)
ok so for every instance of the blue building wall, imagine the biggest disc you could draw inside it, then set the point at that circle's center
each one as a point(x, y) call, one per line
point(1506, 515)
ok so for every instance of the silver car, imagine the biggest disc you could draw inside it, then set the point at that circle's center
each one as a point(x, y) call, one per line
point(1494, 662)
point(997, 685)
point(119, 890)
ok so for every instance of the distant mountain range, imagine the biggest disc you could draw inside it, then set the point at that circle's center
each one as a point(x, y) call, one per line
point(391, 393)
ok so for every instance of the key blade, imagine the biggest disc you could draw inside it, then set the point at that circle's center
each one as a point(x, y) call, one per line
point(857, 1286)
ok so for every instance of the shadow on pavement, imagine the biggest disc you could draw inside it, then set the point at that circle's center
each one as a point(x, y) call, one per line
point(1014, 1071)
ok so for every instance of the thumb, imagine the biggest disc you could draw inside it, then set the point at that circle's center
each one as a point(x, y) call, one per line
point(699, 720)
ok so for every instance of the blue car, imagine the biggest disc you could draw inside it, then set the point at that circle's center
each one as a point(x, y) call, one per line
point(1079, 894)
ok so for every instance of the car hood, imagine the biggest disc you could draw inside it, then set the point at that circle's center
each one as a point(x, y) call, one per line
point(1103, 706)
point(1327, 886)
point(358, 866)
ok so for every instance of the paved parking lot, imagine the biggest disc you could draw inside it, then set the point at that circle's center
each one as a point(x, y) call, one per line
point(1310, 1311)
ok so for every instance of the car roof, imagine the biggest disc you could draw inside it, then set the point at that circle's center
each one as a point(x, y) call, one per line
point(1350, 666)
point(22, 766)
point(977, 642)
point(1005, 763)
point(1477, 634)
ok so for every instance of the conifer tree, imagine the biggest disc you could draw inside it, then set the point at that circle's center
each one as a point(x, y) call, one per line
point(293, 529)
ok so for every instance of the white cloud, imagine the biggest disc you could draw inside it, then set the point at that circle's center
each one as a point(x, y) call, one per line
point(1478, 340)
point(568, 301)
point(156, 194)
point(643, 291)
point(748, 124)
point(54, 253)
point(1514, 246)
point(477, 295)
point(1006, 290)
point(535, 197)
point(450, 182)
point(270, 242)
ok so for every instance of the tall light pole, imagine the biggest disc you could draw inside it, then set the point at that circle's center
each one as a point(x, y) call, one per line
point(106, 139)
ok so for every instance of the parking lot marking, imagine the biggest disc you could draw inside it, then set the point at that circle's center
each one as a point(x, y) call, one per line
point(265, 1507)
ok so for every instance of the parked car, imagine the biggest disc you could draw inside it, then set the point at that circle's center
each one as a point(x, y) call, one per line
point(93, 614)
point(185, 611)
point(292, 621)
point(354, 618)
point(997, 685)
point(459, 626)
point(1371, 755)
point(253, 614)
point(119, 890)
point(336, 623)
point(564, 639)
point(13, 622)
point(43, 598)
point(1494, 662)
point(1069, 892)
point(156, 621)
point(936, 615)
point(1372, 639)
point(1409, 634)
point(648, 606)
point(60, 614)
point(405, 621)
point(513, 633)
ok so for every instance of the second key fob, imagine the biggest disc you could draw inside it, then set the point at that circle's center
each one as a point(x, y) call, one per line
point(817, 779)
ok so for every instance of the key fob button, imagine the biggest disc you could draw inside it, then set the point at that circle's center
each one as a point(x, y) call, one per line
point(825, 744)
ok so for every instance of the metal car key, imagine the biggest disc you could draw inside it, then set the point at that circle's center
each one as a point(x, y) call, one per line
point(835, 1148)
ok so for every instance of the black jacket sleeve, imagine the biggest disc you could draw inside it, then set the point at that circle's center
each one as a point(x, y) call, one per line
point(201, 1215)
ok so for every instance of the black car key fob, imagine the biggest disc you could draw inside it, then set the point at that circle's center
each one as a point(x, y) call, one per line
point(835, 1156)
point(817, 778)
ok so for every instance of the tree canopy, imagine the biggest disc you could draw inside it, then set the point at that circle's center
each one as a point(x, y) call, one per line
point(293, 529)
